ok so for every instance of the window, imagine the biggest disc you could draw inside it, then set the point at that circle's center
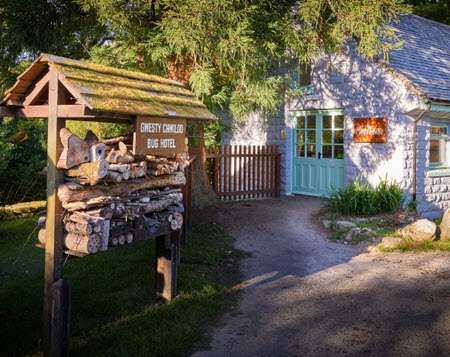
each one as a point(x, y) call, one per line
point(302, 80)
point(439, 149)
point(305, 75)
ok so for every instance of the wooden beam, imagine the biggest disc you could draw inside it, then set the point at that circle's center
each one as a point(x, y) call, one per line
point(72, 112)
point(36, 90)
point(76, 94)
point(54, 224)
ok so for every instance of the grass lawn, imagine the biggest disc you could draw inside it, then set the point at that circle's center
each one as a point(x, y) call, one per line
point(114, 310)
point(409, 245)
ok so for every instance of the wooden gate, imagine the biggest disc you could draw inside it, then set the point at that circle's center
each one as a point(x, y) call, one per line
point(243, 172)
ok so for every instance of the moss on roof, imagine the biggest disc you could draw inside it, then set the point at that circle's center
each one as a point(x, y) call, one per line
point(120, 91)
point(113, 90)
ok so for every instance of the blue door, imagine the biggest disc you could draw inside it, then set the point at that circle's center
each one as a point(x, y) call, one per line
point(318, 157)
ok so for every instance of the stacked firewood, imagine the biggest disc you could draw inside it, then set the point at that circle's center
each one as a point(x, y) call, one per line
point(111, 199)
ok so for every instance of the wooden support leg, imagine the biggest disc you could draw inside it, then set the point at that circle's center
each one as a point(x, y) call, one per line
point(54, 225)
point(60, 318)
point(186, 190)
point(166, 268)
point(175, 239)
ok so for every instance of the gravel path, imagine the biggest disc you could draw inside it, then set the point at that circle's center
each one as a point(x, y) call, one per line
point(307, 296)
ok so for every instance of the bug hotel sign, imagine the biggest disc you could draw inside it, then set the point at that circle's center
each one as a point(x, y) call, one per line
point(157, 136)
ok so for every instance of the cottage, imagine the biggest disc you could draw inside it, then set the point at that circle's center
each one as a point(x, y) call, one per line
point(368, 117)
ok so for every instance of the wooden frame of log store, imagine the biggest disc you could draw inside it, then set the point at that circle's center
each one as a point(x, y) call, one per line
point(103, 194)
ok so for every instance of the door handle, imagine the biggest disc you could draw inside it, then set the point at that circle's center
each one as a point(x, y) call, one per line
point(320, 155)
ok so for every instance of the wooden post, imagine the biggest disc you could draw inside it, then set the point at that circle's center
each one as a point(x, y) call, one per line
point(54, 225)
point(278, 172)
point(166, 268)
point(187, 221)
point(60, 318)
point(175, 239)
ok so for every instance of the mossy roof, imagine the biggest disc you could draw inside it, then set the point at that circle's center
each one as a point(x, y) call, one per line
point(112, 90)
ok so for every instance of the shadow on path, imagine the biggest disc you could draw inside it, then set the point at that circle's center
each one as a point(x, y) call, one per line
point(307, 296)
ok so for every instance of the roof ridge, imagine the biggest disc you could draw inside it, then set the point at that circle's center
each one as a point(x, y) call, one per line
point(428, 20)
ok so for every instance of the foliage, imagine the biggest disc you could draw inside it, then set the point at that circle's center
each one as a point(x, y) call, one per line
point(114, 310)
point(360, 198)
point(230, 52)
point(23, 153)
point(28, 28)
point(436, 10)
point(102, 130)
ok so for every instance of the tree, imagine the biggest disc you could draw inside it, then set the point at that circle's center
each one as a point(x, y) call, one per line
point(228, 51)
point(28, 28)
point(436, 10)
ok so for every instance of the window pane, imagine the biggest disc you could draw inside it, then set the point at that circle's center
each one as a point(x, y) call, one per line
point(326, 151)
point(300, 122)
point(311, 136)
point(439, 130)
point(339, 137)
point(338, 151)
point(339, 122)
point(311, 122)
point(438, 151)
point(305, 75)
point(311, 150)
point(301, 150)
point(300, 136)
point(327, 121)
point(327, 136)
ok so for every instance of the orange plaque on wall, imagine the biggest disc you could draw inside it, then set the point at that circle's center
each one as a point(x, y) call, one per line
point(369, 130)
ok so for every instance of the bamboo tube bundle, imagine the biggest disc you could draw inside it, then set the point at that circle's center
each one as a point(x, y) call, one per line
point(88, 244)
point(84, 244)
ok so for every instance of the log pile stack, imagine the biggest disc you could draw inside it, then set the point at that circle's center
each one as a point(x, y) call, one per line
point(112, 199)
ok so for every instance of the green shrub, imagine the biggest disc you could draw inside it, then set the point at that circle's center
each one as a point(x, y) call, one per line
point(360, 198)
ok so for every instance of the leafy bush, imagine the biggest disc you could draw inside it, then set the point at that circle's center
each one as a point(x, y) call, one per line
point(23, 153)
point(360, 198)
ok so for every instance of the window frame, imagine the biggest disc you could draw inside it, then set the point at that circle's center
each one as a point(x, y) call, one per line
point(440, 168)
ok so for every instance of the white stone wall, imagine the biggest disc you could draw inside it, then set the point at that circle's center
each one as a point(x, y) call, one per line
point(362, 88)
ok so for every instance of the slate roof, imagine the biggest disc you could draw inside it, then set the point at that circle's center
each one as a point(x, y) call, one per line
point(424, 59)
point(112, 90)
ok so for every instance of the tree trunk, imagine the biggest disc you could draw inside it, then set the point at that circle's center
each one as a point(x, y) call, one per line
point(203, 194)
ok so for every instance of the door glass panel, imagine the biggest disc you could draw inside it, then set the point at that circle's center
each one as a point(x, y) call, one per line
point(311, 150)
point(301, 150)
point(326, 151)
point(311, 136)
point(339, 122)
point(327, 122)
point(311, 121)
point(300, 122)
point(339, 137)
point(338, 151)
point(327, 136)
point(300, 136)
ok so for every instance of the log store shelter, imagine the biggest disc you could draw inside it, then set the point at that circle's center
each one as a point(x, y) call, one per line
point(61, 89)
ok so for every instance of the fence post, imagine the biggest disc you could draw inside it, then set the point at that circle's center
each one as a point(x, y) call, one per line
point(278, 173)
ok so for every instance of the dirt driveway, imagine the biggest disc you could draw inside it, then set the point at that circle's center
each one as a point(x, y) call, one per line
point(307, 296)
